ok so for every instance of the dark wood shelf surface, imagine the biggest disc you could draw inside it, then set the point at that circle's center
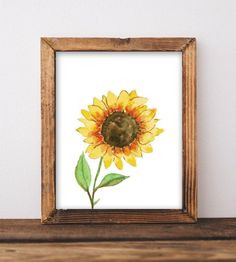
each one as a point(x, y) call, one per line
point(31, 230)
point(28, 240)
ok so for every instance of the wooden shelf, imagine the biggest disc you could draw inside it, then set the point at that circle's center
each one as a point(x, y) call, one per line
point(28, 230)
point(28, 240)
point(216, 250)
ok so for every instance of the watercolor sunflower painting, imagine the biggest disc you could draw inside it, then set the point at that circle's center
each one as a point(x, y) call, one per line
point(116, 129)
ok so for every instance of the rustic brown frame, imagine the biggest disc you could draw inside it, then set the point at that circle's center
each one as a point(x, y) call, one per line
point(49, 47)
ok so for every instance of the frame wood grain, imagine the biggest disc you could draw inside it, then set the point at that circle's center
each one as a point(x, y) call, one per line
point(49, 47)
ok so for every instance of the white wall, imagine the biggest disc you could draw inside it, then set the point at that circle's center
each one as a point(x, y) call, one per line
point(22, 23)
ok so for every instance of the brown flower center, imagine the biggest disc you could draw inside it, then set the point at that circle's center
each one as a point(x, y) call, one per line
point(119, 129)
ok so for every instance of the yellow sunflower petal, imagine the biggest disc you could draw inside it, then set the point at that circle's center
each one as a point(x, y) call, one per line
point(83, 131)
point(123, 99)
point(146, 148)
point(118, 152)
point(157, 131)
point(89, 149)
point(91, 140)
point(126, 150)
point(133, 94)
point(98, 151)
point(107, 160)
point(96, 112)
point(138, 101)
point(137, 151)
point(99, 103)
point(138, 110)
point(147, 126)
point(91, 125)
point(146, 138)
point(147, 115)
point(118, 163)
point(86, 114)
point(111, 99)
point(130, 160)
point(104, 100)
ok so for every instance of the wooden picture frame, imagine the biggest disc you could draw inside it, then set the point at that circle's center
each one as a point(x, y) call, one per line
point(49, 47)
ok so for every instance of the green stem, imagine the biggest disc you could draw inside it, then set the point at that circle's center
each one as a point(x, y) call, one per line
point(95, 181)
point(90, 199)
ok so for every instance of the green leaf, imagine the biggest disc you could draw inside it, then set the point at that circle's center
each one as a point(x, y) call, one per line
point(111, 180)
point(83, 173)
point(95, 203)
